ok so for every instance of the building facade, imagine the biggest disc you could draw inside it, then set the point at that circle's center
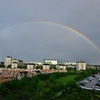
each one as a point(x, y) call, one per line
point(8, 61)
point(50, 61)
point(81, 65)
point(30, 66)
point(46, 66)
point(14, 63)
point(20, 63)
point(61, 67)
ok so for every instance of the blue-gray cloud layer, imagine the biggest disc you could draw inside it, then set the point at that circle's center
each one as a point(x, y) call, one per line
point(37, 41)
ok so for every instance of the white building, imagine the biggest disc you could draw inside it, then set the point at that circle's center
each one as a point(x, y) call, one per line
point(8, 61)
point(46, 66)
point(81, 65)
point(14, 63)
point(30, 65)
point(20, 63)
point(50, 61)
point(70, 63)
point(61, 67)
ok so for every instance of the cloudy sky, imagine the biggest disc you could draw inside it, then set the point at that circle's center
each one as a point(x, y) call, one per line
point(28, 32)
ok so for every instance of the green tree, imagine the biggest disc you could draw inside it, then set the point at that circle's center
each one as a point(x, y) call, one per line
point(52, 77)
point(52, 66)
point(9, 66)
point(39, 67)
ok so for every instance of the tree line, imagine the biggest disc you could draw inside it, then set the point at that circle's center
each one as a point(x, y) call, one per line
point(44, 87)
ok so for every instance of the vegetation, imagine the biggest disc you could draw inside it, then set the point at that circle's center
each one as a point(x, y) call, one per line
point(24, 67)
point(2, 66)
point(9, 66)
point(64, 80)
point(55, 86)
point(39, 67)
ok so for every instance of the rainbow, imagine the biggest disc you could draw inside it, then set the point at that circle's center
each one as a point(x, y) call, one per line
point(63, 26)
point(68, 28)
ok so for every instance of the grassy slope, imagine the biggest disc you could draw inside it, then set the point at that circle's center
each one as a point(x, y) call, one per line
point(65, 79)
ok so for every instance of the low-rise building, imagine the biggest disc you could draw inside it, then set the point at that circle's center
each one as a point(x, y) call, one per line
point(30, 66)
point(14, 63)
point(50, 61)
point(20, 63)
point(5, 78)
point(61, 67)
point(70, 63)
point(46, 66)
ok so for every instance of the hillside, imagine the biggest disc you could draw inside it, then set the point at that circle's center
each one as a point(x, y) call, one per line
point(58, 86)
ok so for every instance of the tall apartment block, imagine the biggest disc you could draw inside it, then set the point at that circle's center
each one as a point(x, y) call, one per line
point(8, 61)
point(81, 65)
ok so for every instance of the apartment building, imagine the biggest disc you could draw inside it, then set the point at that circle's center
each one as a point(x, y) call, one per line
point(8, 61)
point(81, 65)
point(30, 65)
point(50, 61)
point(61, 67)
point(14, 63)
point(46, 66)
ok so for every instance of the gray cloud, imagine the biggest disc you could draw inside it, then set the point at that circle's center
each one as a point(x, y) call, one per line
point(38, 41)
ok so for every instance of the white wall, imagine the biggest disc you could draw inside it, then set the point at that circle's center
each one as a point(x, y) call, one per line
point(30, 66)
point(61, 67)
point(8, 61)
point(46, 66)
point(51, 61)
point(14, 65)
point(81, 66)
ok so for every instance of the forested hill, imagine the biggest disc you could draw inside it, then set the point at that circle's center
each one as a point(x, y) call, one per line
point(55, 86)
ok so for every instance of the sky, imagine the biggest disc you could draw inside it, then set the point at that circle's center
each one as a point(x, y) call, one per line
point(28, 30)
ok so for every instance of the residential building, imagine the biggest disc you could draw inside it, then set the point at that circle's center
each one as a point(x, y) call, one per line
point(50, 61)
point(46, 66)
point(81, 65)
point(61, 67)
point(8, 61)
point(30, 65)
point(21, 63)
point(5, 78)
point(14, 63)
point(70, 63)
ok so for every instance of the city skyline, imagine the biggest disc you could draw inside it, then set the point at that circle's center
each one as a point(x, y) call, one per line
point(35, 30)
